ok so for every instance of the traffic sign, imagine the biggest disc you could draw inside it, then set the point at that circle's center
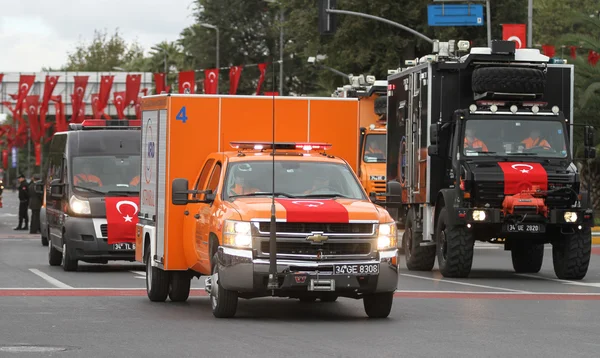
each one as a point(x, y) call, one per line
point(455, 15)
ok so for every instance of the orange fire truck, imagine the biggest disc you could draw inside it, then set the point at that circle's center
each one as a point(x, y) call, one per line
point(224, 185)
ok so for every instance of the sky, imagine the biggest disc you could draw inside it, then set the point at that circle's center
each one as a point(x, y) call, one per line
point(40, 33)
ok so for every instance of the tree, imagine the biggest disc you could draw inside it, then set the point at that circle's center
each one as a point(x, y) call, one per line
point(553, 18)
point(103, 53)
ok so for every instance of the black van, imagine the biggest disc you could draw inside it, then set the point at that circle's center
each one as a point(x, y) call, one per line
point(91, 161)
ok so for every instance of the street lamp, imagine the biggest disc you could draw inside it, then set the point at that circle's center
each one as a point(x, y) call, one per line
point(155, 48)
point(315, 61)
point(209, 26)
point(280, 48)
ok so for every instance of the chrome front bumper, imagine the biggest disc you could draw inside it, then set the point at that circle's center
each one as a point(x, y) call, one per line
point(240, 271)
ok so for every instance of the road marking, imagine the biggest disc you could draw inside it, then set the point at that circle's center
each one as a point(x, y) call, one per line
point(139, 274)
point(461, 283)
point(575, 283)
point(51, 280)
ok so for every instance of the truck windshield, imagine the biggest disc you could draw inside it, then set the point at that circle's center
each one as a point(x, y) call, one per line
point(515, 137)
point(93, 175)
point(374, 148)
point(292, 179)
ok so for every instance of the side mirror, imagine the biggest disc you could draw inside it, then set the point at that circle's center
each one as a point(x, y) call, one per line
point(210, 196)
point(433, 150)
point(434, 133)
point(589, 153)
point(588, 136)
point(179, 191)
point(57, 190)
point(373, 197)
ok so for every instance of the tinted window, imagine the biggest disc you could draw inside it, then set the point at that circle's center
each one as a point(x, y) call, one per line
point(105, 173)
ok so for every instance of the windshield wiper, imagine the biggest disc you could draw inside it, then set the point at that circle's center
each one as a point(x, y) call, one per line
point(89, 189)
point(258, 193)
point(523, 154)
point(332, 195)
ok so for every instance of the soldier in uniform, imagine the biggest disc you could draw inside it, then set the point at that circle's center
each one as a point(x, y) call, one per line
point(23, 203)
point(35, 204)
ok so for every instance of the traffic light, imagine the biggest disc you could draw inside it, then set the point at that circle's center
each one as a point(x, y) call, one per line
point(327, 23)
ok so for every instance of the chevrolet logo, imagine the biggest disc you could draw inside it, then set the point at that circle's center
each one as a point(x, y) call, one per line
point(317, 238)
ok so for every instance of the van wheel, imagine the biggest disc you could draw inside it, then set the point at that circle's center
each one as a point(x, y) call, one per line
point(378, 305)
point(179, 289)
point(418, 258)
point(54, 256)
point(224, 302)
point(455, 246)
point(68, 263)
point(157, 281)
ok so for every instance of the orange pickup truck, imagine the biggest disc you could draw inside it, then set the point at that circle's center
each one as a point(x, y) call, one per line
point(213, 180)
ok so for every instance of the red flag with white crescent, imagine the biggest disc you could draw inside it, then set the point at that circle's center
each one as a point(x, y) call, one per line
point(79, 86)
point(132, 89)
point(49, 86)
point(32, 104)
point(159, 83)
point(523, 176)
point(235, 72)
point(516, 33)
point(104, 95)
point(187, 81)
point(95, 99)
point(211, 81)
point(119, 102)
point(121, 218)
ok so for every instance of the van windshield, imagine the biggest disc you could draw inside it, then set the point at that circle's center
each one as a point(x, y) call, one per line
point(292, 178)
point(100, 174)
point(375, 148)
point(515, 137)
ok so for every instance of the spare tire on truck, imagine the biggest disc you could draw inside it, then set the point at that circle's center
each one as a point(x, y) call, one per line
point(508, 80)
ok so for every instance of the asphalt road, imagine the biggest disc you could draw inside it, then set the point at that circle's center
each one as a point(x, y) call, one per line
point(103, 311)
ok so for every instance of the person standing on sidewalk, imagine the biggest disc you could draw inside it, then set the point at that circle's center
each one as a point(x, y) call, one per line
point(23, 203)
point(35, 204)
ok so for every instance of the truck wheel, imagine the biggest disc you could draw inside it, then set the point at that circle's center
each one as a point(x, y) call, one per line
point(454, 248)
point(54, 256)
point(378, 305)
point(224, 302)
point(527, 257)
point(157, 281)
point(68, 263)
point(179, 289)
point(418, 258)
point(508, 80)
point(571, 255)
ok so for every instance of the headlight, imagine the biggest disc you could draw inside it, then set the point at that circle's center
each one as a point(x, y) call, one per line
point(570, 217)
point(387, 237)
point(237, 234)
point(479, 215)
point(79, 206)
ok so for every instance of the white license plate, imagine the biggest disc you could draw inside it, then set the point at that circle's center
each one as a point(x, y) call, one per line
point(124, 246)
point(356, 269)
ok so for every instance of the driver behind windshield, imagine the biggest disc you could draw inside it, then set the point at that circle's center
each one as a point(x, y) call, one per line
point(86, 177)
point(473, 142)
point(241, 186)
point(320, 182)
point(535, 140)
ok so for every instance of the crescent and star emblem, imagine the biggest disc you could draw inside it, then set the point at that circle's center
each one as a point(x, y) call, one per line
point(525, 170)
point(308, 203)
point(130, 203)
point(517, 40)
point(212, 76)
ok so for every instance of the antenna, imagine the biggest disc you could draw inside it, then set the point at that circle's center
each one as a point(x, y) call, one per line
point(273, 282)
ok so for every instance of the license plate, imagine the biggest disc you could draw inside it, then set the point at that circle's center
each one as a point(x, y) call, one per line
point(356, 269)
point(530, 228)
point(124, 246)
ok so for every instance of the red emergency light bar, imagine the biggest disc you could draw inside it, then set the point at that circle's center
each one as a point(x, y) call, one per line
point(280, 145)
point(108, 124)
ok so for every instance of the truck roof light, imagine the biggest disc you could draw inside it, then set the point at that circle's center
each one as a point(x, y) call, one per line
point(280, 145)
point(107, 124)
point(555, 109)
point(493, 108)
point(372, 126)
point(473, 108)
point(514, 108)
point(535, 109)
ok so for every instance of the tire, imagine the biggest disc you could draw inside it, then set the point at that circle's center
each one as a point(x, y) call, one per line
point(68, 263)
point(417, 258)
point(157, 281)
point(571, 255)
point(54, 256)
point(224, 302)
point(527, 257)
point(455, 247)
point(179, 288)
point(508, 80)
point(378, 305)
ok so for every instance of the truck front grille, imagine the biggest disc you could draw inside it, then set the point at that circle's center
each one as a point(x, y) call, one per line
point(489, 193)
point(325, 228)
point(301, 248)
point(379, 186)
point(104, 230)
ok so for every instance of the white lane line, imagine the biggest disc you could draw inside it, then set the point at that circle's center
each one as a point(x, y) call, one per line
point(51, 280)
point(502, 293)
point(461, 283)
point(586, 284)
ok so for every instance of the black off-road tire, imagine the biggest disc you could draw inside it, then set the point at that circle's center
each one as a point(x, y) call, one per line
point(378, 305)
point(224, 305)
point(157, 281)
point(455, 247)
point(527, 257)
point(417, 258)
point(508, 80)
point(571, 255)
point(179, 288)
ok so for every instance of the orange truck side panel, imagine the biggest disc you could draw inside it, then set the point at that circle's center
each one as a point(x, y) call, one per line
point(367, 111)
point(213, 121)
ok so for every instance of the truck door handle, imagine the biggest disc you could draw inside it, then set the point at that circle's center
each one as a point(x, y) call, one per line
point(197, 216)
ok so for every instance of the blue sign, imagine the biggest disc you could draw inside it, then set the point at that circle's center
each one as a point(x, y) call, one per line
point(14, 157)
point(455, 15)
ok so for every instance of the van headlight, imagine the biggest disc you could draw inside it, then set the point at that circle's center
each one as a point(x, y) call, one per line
point(79, 206)
point(387, 236)
point(237, 234)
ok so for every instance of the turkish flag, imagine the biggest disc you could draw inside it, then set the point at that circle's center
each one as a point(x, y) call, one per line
point(32, 106)
point(106, 83)
point(159, 83)
point(5, 159)
point(235, 72)
point(593, 57)
point(516, 33)
point(314, 211)
point(79, 85)
point(549, 50)
point(49, 85)
point(523, 176)
point(119, 101)
point(261, 67)
point(132, 89)
point(121, 218)
point(573, 51)
point(187, 81)
point(38, 153)
point(211, 81)
point(25, 84)
point(95, 105)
